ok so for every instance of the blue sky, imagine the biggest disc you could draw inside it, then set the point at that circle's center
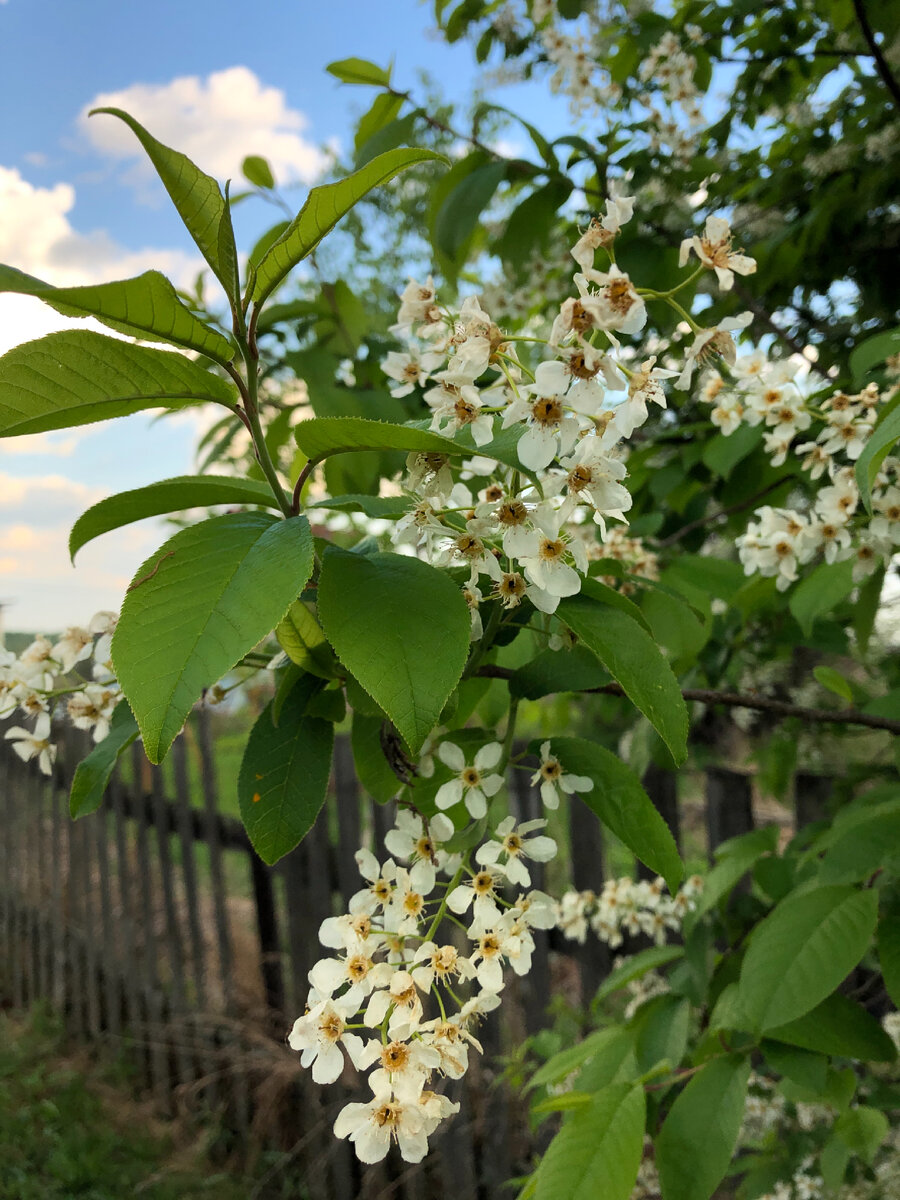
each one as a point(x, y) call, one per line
point(218, 80)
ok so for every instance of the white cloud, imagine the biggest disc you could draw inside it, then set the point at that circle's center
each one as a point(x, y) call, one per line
point(37, 237)
point(44, 590)
point(216, 122)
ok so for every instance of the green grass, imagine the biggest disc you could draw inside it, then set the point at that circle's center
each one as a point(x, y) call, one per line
point(69, 1130)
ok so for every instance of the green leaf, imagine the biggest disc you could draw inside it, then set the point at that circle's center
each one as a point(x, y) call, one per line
point(868, 845)
point(301, 637)
point(257, 170)
point(167, 496)
point(838, 1026)
point(834, 681)
point(323, 209)
point(604, 594)
point(862, 1129)
point(359, 70)
point(661, 1029)
point(551, 671)
point(698, 1137)
point(284, 774)
point(872, 352)
point(802, 951)
point(77, 377)
point(372, 767)
point(631, 657)
point(621, 804)
point(722, 454)
point(197, 606)
point(402, 627)
point(198, 199)
point(889, 946)
point(147, 307)
point(566, 1061)
point(598, 1150)
point(802, 1067)
point(865, 610)
point(819, 592)
point(321, 437)
point(637, 965)
point(458, 216)
point(884, 436)
point(92, 773)
point(372, 506)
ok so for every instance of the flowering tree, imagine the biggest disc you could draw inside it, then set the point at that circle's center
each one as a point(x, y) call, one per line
point(489, 503)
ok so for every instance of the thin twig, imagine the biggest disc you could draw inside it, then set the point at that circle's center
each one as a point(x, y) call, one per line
point(881, 63)
point(721, 512)
point(781, 708)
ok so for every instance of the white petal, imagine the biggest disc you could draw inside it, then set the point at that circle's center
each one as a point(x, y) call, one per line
point(451, 755)
point(328, 1065)
point(488, 756)
point(476, 803)
point(449, 794)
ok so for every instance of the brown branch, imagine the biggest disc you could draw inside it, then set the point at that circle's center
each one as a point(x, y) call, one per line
point(780, 708)
point(759, 310)
point(881, 63)
point(721, 512)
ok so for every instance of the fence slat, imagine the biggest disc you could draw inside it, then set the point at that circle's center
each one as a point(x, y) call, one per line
point(129, 962)
point(210, 787)
point(346, 790)
point(111, 983)
point(729, 805)
point(587, 859)
point(811, 796)
point(174, 941)
point(151, 987)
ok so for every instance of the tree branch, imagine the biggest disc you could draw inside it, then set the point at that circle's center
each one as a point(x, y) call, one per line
point(780, 708)
point(881, 62)
point(721, 512)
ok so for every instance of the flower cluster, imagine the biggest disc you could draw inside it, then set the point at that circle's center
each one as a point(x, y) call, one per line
point(827, 436)
point(413, 941)
point(532, 528)
point(34, 682)
point(626, 907)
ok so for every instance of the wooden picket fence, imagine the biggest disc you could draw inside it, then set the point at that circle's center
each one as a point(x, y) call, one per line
point(152, 926)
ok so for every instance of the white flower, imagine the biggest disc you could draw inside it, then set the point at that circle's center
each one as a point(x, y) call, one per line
point(551, 430)
point(407, 903)
point(371, 1127)
point(404, 1065)
point(92, 708)
point(74, 645)
point(713, 342)
point(432, 962)
point(602, 230)
point(542, 557)
point(402, 999)
point(408, 838)
point(594, 476)
point(356, 969)
point(551, 776)
point(381, 883)
point(471, 782)
point(318, 1035)
point(515, 844)
point(479, 892)
point(620, 307)
point(410, 368)
point(35, 744)
point(644, 386)
point(714, 250)
point(457, 405)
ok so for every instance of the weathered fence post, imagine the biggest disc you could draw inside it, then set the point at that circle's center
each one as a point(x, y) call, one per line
point(729, 805)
